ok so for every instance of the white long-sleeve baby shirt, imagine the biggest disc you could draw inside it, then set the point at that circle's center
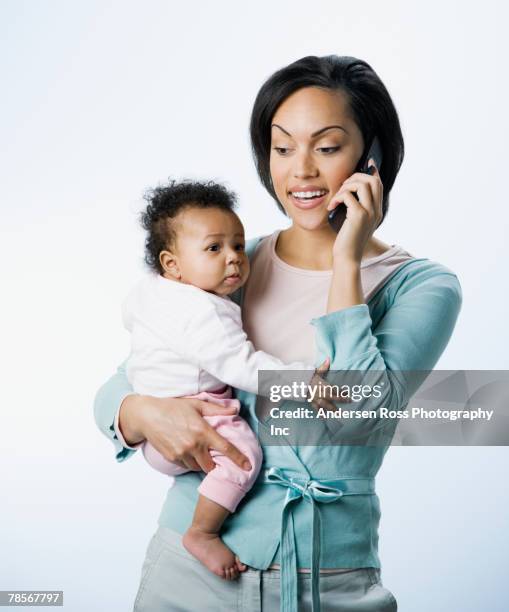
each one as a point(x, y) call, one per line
point(185, 340)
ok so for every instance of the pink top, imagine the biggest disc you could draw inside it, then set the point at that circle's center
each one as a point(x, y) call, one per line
point(280, 300)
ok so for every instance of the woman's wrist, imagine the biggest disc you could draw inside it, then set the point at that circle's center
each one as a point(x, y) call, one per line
point(346, 260)
point(346, 288)
point(129, 419)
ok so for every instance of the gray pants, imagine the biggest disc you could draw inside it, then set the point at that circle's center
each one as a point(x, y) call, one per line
point(172, 580)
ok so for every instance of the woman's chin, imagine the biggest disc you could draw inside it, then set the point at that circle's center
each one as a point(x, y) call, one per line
point(311, 221)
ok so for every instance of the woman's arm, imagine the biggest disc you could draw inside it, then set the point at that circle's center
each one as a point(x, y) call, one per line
point(346, 287)
point(174, 426)
point(422, 303)
point(108, 400)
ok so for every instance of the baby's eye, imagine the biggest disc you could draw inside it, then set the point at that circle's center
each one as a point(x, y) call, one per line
point(328, 150)
point(240, 247)
point(213, 247)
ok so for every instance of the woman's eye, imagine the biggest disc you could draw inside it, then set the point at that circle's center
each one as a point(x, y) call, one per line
point(328, 150)
point(281, 150)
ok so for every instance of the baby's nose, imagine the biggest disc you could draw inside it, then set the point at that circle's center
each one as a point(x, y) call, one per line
point(233, 256)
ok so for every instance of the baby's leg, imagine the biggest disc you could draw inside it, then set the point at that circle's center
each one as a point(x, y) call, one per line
point(227, 483)
point(220, 492)
point(158, 462)
point(203, 542)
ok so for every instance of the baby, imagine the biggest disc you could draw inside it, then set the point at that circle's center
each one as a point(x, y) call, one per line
point(187, 340)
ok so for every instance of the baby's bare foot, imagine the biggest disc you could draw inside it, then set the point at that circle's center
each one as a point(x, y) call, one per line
point(210, 550)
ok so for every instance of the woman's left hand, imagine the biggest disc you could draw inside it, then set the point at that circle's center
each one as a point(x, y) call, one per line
point(362, 215)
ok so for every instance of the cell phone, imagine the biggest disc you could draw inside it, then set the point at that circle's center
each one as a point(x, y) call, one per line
point(338, 215)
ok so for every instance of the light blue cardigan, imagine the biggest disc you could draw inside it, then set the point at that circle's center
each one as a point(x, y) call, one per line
point(316, 506)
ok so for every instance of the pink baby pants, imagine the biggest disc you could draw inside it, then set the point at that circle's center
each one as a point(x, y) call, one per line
point(227, 483)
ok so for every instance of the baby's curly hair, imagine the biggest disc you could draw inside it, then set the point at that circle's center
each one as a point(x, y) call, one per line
point(165, 202)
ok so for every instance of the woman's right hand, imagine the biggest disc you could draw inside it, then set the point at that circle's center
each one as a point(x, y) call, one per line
point(176, 428)
point(363, 214)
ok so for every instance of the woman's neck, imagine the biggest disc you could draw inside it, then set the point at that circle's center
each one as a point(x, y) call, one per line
point(312, 249)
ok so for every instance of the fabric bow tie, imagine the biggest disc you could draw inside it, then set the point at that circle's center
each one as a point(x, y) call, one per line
point(321, 491)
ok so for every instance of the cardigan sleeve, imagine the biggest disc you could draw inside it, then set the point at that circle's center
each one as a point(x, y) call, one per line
point(107, 402)
point(420, 315)
point(112, 393)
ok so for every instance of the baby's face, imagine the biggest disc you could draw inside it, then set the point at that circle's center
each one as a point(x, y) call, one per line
point(210, 248)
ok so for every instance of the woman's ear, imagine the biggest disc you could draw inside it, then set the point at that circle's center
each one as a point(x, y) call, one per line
point(169, 264)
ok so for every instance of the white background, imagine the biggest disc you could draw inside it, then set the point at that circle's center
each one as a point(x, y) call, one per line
point(101, 100)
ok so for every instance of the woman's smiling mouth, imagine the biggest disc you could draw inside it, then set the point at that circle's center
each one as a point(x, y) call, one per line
point(307, 198)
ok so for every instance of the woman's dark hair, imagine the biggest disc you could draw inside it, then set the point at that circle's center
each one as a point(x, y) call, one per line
point(370, 103)
point(165, 202)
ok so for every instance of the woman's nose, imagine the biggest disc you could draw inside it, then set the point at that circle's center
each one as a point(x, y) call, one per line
point(304, 166)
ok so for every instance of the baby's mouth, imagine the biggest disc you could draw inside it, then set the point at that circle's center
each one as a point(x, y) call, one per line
point(232, 278)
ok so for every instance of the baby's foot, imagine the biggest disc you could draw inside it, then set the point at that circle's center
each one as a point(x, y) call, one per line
point(210, 550)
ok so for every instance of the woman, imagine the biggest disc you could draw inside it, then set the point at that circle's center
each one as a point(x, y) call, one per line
point(306, 545)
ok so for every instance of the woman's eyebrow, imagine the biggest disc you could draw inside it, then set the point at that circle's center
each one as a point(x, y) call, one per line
point(317, 133)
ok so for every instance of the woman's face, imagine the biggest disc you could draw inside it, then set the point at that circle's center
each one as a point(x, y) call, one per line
point(315, 146)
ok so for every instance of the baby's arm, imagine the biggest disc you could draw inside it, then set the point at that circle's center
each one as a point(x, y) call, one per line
point(217, 343)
